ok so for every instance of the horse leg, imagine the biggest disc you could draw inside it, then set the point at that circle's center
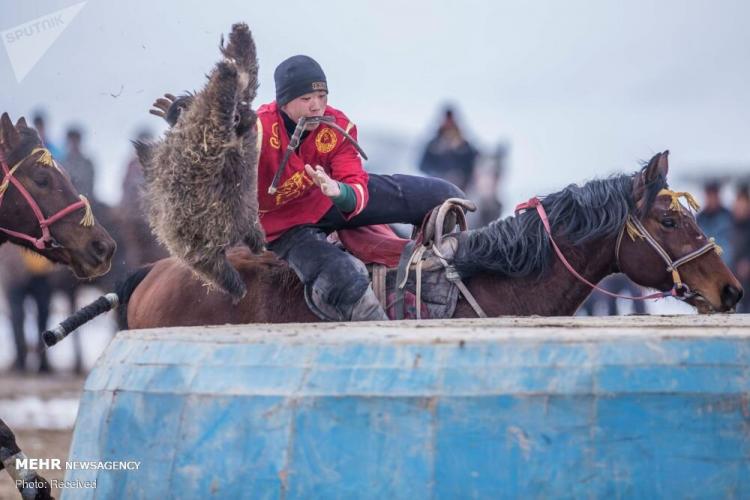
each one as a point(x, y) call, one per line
point(16, 297)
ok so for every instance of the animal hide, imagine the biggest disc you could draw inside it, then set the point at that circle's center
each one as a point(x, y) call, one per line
point(201, 178)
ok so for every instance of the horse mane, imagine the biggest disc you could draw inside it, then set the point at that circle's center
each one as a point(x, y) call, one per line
point(518, 246)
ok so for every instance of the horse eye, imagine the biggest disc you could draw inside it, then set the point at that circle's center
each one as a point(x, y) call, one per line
point(670, 223)
point(41, 179)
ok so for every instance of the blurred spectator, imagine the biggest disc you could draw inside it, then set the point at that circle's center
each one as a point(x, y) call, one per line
point(78, 165)
point(741, 242)
point(41, 127)
point(716, 220)
point(26, 274)
point(488, 174)
point(449, 155)
point(133, 180)
point(140, 245)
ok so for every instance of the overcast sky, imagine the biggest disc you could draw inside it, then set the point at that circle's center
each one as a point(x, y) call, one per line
point(577, 88)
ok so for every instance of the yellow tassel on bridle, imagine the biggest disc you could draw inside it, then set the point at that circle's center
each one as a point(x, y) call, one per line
point(45, 158)
point(88, 215)
point(632, 231)
point(676, 195)
point(717, 247)
point(6, 182)
point(692, 203)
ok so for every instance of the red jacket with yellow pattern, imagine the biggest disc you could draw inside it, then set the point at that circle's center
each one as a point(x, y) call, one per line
point(298, 200)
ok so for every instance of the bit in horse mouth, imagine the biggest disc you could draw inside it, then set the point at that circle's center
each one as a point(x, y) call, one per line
point(703, 305)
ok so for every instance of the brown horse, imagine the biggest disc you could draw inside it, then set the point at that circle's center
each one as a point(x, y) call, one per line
point(41, 210)
point(628, 223)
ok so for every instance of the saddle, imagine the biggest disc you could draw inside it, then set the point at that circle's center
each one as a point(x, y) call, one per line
point(412, 278)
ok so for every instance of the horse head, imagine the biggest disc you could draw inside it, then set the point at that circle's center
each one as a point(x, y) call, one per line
point(662, 246)
point(41, 210)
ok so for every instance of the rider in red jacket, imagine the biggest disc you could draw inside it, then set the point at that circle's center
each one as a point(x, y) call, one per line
point(326, 188)
point(323, 187)
point(298, 200)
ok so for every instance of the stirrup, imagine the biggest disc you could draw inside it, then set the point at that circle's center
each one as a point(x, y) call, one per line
point(444, 218)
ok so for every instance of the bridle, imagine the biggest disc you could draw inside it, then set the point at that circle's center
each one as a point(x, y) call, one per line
point(635, 228)
point(46, 240)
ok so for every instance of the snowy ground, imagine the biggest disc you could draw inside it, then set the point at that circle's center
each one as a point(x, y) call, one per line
point(41, 410)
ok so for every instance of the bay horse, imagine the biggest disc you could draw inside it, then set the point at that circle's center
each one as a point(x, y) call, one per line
point(626, 223)
point(41, 211)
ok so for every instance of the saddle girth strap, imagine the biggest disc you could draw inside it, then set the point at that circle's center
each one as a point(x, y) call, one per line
point(379, 272)
point(402, 275)
point(452, 275)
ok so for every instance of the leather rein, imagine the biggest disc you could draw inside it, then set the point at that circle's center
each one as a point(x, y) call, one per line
point(680, 290)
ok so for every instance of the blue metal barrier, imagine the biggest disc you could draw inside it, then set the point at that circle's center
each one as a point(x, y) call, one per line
point(516, 407)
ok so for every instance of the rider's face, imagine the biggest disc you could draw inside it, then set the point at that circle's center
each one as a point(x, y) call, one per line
point(307, 105)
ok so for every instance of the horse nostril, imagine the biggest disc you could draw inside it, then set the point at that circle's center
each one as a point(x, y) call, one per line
point(99, 248)
point(730, 295)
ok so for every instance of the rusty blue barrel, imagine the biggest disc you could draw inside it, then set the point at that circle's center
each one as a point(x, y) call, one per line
point(515, 407)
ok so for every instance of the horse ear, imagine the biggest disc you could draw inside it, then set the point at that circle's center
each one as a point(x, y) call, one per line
point(657, 167)
point(663, 165)
point(21, 123)
point(9, 136)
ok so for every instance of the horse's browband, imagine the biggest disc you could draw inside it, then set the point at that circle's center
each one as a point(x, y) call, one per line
point(634, 228)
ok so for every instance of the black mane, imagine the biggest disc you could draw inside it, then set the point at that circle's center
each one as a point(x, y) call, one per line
point(518, 246)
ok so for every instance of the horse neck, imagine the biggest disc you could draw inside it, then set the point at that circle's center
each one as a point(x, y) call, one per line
point(556, 293)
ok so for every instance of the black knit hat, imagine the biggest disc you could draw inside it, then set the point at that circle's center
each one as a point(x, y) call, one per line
point(296, 76)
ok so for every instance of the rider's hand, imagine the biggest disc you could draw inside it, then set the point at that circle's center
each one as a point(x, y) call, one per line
point(170, 107)
point(328, 186)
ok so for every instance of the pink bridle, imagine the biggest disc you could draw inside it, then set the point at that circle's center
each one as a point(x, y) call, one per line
point(680, 290)
point(46, 240)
